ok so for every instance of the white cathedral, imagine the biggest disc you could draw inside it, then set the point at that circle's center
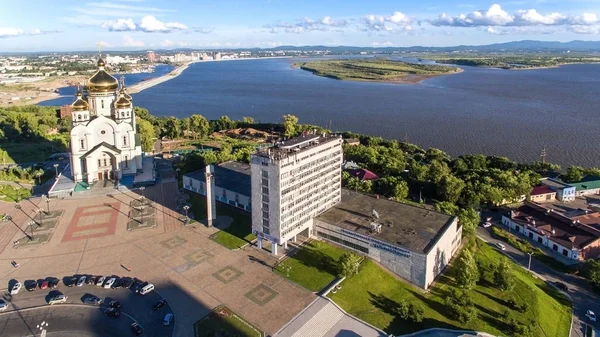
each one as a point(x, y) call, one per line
point(104, 142)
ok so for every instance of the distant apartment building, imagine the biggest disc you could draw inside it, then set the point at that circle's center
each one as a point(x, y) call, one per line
point(232, 184)
point(564, 191)
point(573, 234)
point(292, 183)
point(151, 56)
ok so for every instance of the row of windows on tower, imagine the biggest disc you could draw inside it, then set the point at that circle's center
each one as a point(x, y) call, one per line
point(82, 142)
point(85, 116)
point(107, 162)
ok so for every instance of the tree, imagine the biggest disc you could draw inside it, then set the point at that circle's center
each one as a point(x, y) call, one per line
point(146, 131)
point(437, 171)
point(415, 312)
point(290, 125)
point(348, 264)
point(248, 120)
point(199, 125)
point(573, 174)
point(394, 187)
point(172, 128)
point(504, 278)
point(469, 218)
point(447, 207)
point(467, 271)
point(450, 188)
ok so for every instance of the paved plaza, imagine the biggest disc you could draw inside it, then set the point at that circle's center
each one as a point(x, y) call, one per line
point(193, 272)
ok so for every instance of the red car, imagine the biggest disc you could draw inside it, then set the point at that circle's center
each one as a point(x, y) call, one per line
point(44, 284)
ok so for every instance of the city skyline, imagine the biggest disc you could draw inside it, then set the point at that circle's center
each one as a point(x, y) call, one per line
point(151, 24)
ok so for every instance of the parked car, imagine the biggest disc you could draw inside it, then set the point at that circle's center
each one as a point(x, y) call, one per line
point(487, 224)
point(81, 281)
point(590, 314)
point(127, 283)
point(92, 300)
point(168, 318)
point(117, 283)
point(44, 284)
point(115, 304)
point(112, 312)
point(137, 329)
point(3, 305)
point(159, 304)
point(15, 288)
point(109, 283)
point(30, 285)
point(71, 281)
point(59, 298)
point(500, 246)
point(91, 280)
point(53, 283)
point(15, 264)
point(100, 281)
point(561, 286)
point(147, 289)
point(140, 286)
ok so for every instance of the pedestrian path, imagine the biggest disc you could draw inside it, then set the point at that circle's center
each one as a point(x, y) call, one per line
point(320, 323)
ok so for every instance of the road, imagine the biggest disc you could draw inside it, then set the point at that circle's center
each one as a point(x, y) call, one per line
point(27, 309)
point(583, 297)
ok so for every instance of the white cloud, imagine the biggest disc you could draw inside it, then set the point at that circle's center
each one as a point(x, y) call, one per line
point(129, 41)
point(150, 24)
point(120, 25)
point(203, 30)
point(305, 25)
point(6, 32)
point(382, 44)
point(590, 29)
point(398, 21)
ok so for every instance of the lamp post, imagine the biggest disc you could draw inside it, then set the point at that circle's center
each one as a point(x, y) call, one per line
point(48, 204)
point(142, 214)
point(40, 212)
point(187, 218)
point(142, 189)
point(43, 327)
point(39, 176)
point(56, 170)
point(7, 217)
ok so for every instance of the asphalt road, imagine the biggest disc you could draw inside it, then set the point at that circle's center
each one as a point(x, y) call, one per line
point(583, 297)
point(27, 309)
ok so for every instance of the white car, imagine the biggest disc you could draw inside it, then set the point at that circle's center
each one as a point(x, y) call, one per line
point(100, 281)
point(109, 283)
point(590, 314)
point(15, 288)
point(3, 305)
point(58, 299)
point(500, 246)
point(81, 281)
point(487, 224)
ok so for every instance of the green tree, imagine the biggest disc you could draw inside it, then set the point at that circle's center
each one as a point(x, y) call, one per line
point(467, 271)
point(447, 207)
point(573, 174)
point(393, 186)
point(416, 312)
point(504, 277)
point(348, 264)
point(172, 128)
point(146, 131)
point(290, 125)
point(437, 171)
point(248, 120)
point(450, 188)
point(199, 125)
point(469, 218)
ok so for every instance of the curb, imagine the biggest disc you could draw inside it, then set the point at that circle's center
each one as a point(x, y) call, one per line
point(356, 318)
point(61, 305)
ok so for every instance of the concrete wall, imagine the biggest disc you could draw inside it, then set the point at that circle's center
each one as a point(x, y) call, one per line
point(443, 250)
point(588, 192)
point(199, 187)
point(543, 197)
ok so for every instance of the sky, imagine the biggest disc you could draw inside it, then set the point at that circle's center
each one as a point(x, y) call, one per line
point(66, 25)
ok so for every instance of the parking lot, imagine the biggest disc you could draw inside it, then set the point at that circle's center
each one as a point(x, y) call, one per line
point(27, 309)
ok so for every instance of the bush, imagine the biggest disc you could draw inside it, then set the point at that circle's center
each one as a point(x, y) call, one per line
point(524, 307)
point(416, 311)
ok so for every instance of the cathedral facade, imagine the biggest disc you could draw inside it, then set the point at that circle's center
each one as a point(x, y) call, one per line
point(104, 141)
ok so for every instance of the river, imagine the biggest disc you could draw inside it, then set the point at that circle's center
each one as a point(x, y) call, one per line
point(513, 113)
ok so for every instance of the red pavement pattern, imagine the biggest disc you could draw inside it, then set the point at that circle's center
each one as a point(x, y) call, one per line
point(93, 229)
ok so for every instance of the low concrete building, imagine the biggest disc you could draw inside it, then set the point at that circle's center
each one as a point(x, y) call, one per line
point(232, 184)
point(352, 141)
point(589, 185)
point(542, 194)
point(571, 237)
point(413, 242)
point(564, 192)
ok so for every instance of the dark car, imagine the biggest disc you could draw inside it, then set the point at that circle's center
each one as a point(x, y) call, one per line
point(53, 283)
point(135, 284)
point(137, 329)
point(94, 300)
point(117, 284)
point(71, 281)
point(127, 283)
point(561, 286)
point(112, 312)
point(140, 286)
point(115, 304)
point(30, 285)
point(159, 304)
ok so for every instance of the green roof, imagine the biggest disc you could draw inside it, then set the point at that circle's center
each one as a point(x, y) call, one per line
point(588, 183)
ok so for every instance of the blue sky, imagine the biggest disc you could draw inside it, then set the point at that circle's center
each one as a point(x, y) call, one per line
point(65, 25)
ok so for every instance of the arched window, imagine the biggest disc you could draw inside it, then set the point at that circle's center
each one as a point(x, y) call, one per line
point(127, 113)
point(78, 117)
point(102, 103)
point(122, 114)
point(124, 140)
point(82, 142)
point(126, 162)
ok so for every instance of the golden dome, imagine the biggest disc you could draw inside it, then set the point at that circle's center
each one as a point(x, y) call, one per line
point(102, 81)
point(124, 93)
point(123, 103)
point(80, 104)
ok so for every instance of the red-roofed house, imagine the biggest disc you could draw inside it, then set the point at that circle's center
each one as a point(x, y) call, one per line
point(542, 193)
point(363, 174)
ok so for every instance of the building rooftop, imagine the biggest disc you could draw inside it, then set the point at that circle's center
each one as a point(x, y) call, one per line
point(233, 176)
point(295, 145)
point(579, 206)
point(363, 174)
point(587, 183)
point(414, 228)
point(541, 189)
point(567, 232)
point(553, 183)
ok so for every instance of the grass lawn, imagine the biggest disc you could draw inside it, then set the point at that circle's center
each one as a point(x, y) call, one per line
point(232, 237)
point(224, 322)
point(524, 246)
point(313, 266)
point(373, 295)
point(9, 193)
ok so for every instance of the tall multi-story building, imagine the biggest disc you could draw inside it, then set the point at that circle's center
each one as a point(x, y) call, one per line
point(293, 182)
point(151, 56)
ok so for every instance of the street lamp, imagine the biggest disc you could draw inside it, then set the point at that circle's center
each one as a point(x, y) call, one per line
point(39, 176)
point(40, 212)
point(56, 170)
point(186, 208)
point(43, 328)
point(48, 204)
point(7, 217)
point(142, 189)
point(142, 214)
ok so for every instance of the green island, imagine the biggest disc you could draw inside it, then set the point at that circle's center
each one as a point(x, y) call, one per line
point(376, 70)
point(525, 61)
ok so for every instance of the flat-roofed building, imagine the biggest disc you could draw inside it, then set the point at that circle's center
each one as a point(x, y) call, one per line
point(564, 191)
point(589, 185)
point(232, 183)
point(293, 182)
point(542, 193)
point(413, 242)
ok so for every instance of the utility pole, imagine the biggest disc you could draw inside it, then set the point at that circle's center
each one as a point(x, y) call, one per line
point(543, 155)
